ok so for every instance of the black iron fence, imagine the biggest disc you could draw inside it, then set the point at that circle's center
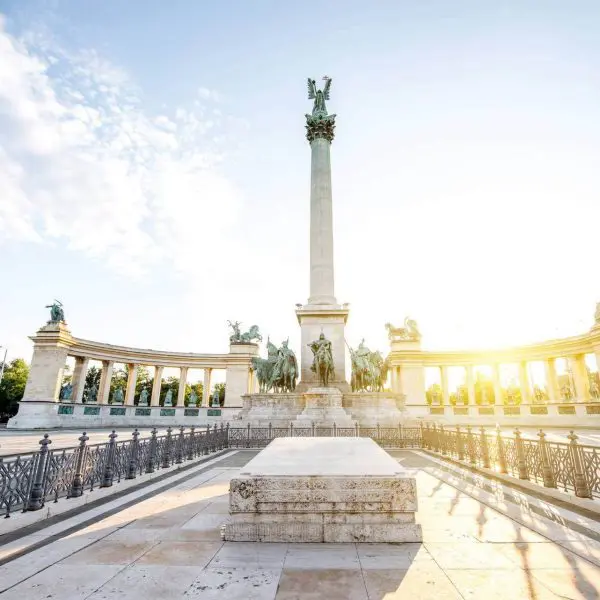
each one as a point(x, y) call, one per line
point(28, 481)
point(571, 467)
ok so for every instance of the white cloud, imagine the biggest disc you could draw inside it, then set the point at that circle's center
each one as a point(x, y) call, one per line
point(81, 161)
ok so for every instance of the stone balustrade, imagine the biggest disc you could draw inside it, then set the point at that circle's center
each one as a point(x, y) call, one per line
point(574, 393)
point(53, 344)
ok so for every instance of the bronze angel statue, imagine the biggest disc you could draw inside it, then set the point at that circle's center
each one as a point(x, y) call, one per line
point(319, 96)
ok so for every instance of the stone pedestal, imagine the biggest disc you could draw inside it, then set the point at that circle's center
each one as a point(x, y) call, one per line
point(324, 407)
point(237, 375)
point(277, 409)
point(330, 320)
point(323, 490)
point(376, 408)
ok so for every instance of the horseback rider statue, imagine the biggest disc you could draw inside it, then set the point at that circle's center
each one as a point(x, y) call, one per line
point(322, 360)
point(279, 371)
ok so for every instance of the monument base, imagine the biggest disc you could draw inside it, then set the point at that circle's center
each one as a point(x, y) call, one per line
point(376, 408)
point(322, 490)
point(324, 406)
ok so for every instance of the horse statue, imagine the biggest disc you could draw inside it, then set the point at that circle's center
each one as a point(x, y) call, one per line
point(322, 365)
point(381, 367)
point(252, 334)
point(237, 337)
point(285, 371)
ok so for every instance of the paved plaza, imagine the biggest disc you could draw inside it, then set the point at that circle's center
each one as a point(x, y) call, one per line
point(480, 541)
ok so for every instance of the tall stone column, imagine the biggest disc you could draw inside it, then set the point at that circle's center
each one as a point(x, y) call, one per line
point(131, 383)
point(206, 387)
point(79, 373)
point(470, 384)
point(551, 381)
point(182, 383)
point(498, 393)
point(524, 383)
point(156, 384)
point(105, 380)
point(580, 378)
point(444, 385)
point(321, 314)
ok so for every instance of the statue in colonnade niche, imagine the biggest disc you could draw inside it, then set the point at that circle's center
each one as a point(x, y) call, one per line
point(57, 314)
point(66, 392)
point(143, 397)
point(237, 337)
point(369, 369)
point(323, 364)
point(216, 400)
point(118, 397)
point(92, 393)
point(169, 398)
point(597, 314)
point(193, 401)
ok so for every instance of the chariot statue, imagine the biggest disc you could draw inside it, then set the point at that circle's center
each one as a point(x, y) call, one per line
point(237, 337)
point(410, 331)
point(323, 364)
point(57, 314)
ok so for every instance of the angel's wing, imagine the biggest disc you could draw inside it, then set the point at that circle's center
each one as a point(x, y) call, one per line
point(311, 89)
point(326, 89)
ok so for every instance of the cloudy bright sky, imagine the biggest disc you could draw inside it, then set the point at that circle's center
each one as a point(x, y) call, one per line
point(154, 174)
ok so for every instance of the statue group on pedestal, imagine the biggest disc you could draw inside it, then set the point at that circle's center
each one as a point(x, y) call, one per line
point(322, 360)
point(237, 337)
point(57, 314)
point(410, 331)
point(279, 371)
point(369, 369)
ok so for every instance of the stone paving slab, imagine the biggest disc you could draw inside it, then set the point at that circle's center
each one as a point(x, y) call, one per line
point(128, 556)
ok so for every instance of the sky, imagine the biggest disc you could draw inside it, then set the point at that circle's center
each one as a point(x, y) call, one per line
point(155, 177)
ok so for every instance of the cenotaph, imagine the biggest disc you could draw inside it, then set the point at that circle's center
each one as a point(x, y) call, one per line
point(322, 490)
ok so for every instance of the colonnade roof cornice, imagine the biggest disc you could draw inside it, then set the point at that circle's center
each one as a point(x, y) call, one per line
point(581, 344)
point(60, 336)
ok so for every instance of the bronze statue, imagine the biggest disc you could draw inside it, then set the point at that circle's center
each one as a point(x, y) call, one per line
point(323, 364)
point(279, 371)
point(369, 369)
point(237, 337)
point(57, 314)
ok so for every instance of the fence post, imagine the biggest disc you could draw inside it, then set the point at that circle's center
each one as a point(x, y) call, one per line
point(485, 451)
point(248, 436)
point(77, 484)
point(582, 488)
point(192, 443)
point(291, 430)
point(548, 475)
point(443, 440)
point(312, 430)
point(166, 463)
point(107, 476)
point(179, 453)
point(501, 452)
point(227, 435)
point(471, 446)
point(434, 440)
point(378, 434)
point(133, 456)
point(152, 451)
point(521, 462)
point(334, 429)
point(36, 496)
point(270, 431)
point(356, 432)
point(460, 449)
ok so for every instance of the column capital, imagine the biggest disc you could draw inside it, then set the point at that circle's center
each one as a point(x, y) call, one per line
point(320, 127)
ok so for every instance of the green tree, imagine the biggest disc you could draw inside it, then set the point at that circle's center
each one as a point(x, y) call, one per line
point(12, 387)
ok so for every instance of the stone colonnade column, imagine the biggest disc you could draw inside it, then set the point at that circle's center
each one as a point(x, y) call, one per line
point(395, 380)
point(580, 378)
point(105, 380)
point(79, 373)
point(156, 384)
point(444, 385)
point(183, 371)
point(524, 383)
point(131, 382)
point(551, 382)
point(470, 384)
point(206, 386)
point(498, 395)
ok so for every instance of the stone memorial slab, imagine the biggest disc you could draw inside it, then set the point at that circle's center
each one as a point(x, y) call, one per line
point(323, 490)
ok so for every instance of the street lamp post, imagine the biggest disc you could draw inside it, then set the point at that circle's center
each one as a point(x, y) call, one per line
point(3, 363)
